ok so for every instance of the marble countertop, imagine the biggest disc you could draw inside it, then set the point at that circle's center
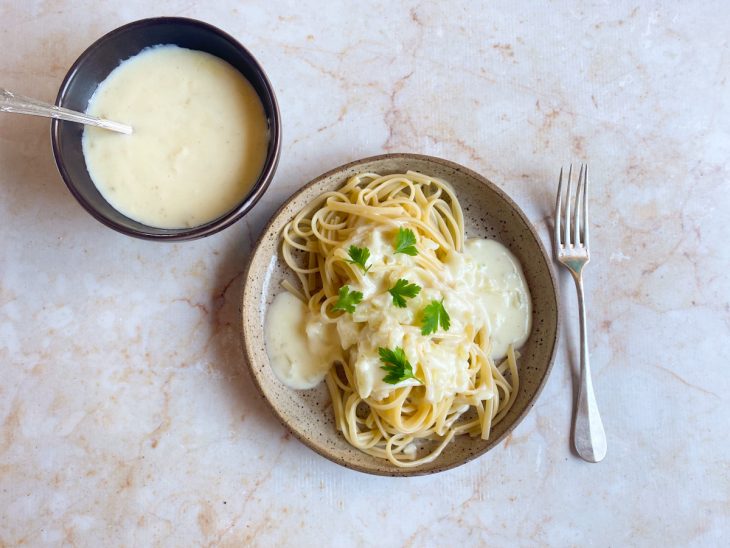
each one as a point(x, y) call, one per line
point(126, 414)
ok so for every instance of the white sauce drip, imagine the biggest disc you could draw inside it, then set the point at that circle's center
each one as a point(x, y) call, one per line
point(503, 294)
point(301, 350)
point(199, 141)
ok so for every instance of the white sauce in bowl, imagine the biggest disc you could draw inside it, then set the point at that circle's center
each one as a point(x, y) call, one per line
point(199, 142)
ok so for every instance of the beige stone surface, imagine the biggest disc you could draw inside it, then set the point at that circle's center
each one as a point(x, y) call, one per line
point(126, 417)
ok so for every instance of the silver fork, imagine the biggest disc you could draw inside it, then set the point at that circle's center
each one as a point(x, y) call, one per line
point(571, 250)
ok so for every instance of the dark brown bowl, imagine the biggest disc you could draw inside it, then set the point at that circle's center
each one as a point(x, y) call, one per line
point(95, 64)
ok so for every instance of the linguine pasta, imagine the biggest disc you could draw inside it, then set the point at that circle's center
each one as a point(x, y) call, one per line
point(457, 387)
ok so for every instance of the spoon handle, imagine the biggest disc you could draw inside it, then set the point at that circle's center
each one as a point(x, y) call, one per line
point(12, 102)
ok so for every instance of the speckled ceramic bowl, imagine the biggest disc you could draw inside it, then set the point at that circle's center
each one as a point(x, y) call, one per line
point(488, 212)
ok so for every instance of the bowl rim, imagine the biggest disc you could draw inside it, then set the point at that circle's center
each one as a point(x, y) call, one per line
point(216, 225)
point(246, 295)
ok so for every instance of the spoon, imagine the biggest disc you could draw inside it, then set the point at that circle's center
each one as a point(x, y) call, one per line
point(12, 102)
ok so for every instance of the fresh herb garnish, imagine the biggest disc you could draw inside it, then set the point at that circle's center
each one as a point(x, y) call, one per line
point(397, 365)
point(347, 300)
point(359, 256)
point(403, 290)
point(405, 242)
point(434, 315)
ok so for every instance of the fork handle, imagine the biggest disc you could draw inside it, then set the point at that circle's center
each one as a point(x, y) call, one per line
point(589, 436)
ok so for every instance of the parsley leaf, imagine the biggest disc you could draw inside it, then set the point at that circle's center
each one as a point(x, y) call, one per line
point(397, 365)
point(359, 256)
point(405, 242)
point(347, 300)
point(402, 290)
point(434, 315)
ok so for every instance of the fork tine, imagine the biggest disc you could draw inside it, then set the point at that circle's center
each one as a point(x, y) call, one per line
point(577, 213)
point(558, 202)
point(585, 207)
point(567, 206)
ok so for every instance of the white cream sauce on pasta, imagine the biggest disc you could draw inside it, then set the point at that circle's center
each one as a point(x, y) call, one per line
point(483, 286)
point(199, 141)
